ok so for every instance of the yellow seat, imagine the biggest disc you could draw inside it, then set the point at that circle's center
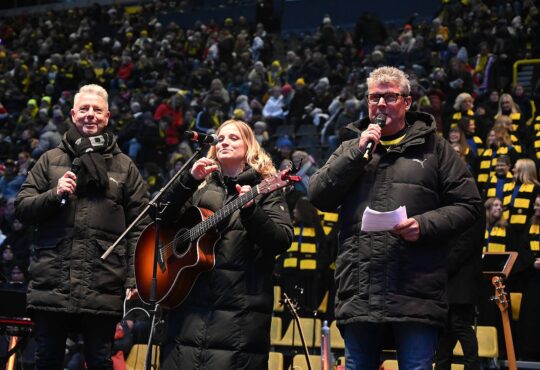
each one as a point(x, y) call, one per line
point(515, 302)
point(323, 307)
point(393, 365)
point(278, 307)
point(311, 329)
point(275, 361)
point(275, 330)
point(137, 357)
point(488, 345)
point(300, 363)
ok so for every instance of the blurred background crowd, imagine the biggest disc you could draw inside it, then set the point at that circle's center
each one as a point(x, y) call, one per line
point(297, 90)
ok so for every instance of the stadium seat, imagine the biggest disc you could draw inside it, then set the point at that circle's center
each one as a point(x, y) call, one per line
point(278, 307)
point(336, 340)
point(488, 346)
point(300, 362)
point(275, 361)
point(137, 357)
point(393, 365)
point(515, 302)
point(275, 330)
point(311, 329)
point(307, 130)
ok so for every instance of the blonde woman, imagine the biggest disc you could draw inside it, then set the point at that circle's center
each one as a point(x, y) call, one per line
point(508, 108)
point(224, 323)
point(525, 190)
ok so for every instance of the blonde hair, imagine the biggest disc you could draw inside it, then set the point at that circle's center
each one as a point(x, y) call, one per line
point(515, 107)
point(490, 221)
point(459, 100)
point(256, 157)
point(95, 90)
point(502, 136)
point(526, 171)
point(390, 75)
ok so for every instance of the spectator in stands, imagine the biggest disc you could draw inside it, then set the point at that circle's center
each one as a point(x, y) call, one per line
point(468, 127)
point(11, 180)
point(306, 166)
point(526, 188)
point(19, 239)
point(508, 108)
point(498, 142)
point(463, 107)
point(458, 140)
point(273, 112)
point(261, 133)
point(528, 327)
point(523, 101)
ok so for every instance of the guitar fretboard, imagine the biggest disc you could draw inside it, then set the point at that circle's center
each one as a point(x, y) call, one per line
point(217, 217)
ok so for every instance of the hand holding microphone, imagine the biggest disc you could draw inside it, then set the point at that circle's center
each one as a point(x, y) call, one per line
point(372, 135)
point(68, 183)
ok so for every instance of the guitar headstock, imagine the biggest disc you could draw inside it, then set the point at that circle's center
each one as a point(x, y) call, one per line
point(279, 180)
point(500, 296)
point(291, 304)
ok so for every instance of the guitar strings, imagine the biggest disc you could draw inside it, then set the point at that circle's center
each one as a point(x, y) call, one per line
point(201, 228)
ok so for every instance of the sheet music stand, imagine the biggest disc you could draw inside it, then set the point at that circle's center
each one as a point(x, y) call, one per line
point(498, 264)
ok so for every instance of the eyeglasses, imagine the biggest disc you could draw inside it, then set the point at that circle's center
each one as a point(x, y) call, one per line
point(389, 98)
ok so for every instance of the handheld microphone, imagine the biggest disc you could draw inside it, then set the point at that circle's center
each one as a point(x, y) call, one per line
point(381, 121)
point(202, 138)
point(75, 167)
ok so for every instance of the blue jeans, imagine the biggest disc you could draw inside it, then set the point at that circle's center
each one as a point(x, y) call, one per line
point(415, 344)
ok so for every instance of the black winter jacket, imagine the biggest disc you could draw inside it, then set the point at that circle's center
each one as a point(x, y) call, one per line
point(224, 323)
point(66, 272)
point(379, 276)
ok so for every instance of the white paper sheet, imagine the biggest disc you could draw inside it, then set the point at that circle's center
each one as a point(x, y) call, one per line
point(382, 221)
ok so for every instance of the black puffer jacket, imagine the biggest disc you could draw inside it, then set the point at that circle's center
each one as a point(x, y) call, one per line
point(66, 272)
point(379, 276)
point(225, 321)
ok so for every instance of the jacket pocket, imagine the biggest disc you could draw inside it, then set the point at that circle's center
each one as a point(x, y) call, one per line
point(45, 269)
point(109, 275)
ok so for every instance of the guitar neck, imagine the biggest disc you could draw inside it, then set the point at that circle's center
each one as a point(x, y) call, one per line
point(224, 212)
point(510, 354)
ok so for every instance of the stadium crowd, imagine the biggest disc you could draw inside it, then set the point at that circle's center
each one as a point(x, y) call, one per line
point(297, 91)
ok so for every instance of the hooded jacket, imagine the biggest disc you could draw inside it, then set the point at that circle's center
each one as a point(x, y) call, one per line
point(380, 277)
point(66, 272)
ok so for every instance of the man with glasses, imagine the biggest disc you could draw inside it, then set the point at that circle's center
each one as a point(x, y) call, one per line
point(394, 278)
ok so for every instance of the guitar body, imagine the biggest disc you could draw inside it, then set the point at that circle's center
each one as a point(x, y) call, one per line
point(181, 263)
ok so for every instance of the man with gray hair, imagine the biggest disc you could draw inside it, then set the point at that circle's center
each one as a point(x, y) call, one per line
point(78, 211)
point(395, 276)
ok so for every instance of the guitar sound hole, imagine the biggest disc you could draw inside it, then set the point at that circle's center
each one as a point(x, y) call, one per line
point(182, 241)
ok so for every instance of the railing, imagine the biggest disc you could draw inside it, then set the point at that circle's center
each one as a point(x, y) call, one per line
point(523, 73)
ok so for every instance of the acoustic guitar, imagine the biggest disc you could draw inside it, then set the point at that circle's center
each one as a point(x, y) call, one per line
point(502, 303)
point(187, 250)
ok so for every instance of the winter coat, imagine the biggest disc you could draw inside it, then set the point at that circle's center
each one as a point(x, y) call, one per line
point(380, 277)
point(224, 323)
point(66, 272)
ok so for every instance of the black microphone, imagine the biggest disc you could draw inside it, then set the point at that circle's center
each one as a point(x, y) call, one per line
point(381, 121)
point(202, 138)
point(75, 167)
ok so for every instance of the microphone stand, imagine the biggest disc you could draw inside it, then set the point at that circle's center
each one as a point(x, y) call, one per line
point(159, 207)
